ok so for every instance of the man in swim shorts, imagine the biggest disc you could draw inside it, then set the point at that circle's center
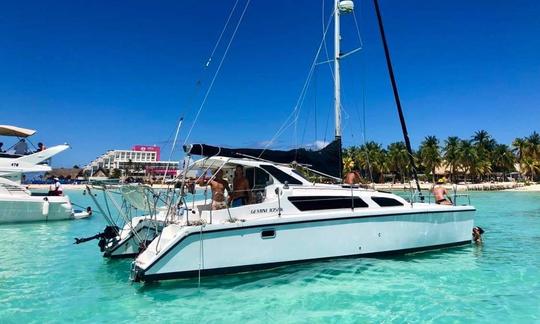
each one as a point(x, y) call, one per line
point(240, 194)
point(440, 193)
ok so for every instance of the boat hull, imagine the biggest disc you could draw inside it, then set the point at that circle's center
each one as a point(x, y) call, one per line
point(210, 251)
point(129, 245)
point(34, 209)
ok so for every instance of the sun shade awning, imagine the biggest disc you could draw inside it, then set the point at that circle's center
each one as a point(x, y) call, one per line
point(326, 160)
point(8, 130)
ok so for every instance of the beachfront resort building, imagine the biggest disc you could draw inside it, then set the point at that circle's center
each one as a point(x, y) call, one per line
point(140, 161)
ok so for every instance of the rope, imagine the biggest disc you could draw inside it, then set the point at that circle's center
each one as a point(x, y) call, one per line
point(217, 71)
point(201, 75)
point(221, 35)
point(301, 97)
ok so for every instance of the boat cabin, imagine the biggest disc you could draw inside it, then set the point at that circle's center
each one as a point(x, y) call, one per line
point(276, 190)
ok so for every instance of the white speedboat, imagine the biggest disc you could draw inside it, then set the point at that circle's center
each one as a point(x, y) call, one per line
point(290, 219)
point(17, 204)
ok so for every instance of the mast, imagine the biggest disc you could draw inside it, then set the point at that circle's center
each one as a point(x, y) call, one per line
point(345, 6)
point(396, 98)
point(337, 76)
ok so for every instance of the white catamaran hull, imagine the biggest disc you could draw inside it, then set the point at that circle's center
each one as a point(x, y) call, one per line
point(34, 208)
point(242, 247)
point(131, 237)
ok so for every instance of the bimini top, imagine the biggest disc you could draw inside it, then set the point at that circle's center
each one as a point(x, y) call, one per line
point(326, 160)
point(8, 130)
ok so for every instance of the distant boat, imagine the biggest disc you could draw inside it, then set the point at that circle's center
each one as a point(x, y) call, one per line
point(17, 204)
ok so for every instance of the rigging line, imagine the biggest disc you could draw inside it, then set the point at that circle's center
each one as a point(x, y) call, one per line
point(364, 129)
point(221, 35)
point(328, 60)
point(199, 82)
point(172, 148)
point(302, 93)
point(217, 71)
point(358, 30)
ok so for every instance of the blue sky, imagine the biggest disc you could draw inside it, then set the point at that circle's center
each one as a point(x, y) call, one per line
point(107, 75)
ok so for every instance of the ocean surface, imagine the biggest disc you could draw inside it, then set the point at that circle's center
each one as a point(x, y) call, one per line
point(44, 277)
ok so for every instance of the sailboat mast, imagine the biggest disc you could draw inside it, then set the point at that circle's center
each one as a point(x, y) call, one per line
point(396, 97)
point(337, 76)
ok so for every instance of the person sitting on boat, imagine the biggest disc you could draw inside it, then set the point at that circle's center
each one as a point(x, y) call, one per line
point(1, 149)
point(352, 177)
point(218, 186)
point(21, 148)
point(440, 193)
point(56, 189)
point(240, 194)
point(40, 147)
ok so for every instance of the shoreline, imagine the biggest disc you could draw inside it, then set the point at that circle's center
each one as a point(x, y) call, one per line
point(485, 186)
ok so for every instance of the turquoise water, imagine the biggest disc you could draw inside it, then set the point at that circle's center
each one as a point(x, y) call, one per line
point(45, 278)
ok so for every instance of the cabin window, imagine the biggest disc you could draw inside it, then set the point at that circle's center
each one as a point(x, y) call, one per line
point(386, 202)
point(280, 175)
point(306, 203)
point(258, 181)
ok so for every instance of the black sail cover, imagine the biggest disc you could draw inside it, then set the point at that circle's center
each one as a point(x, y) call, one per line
point(326, 160)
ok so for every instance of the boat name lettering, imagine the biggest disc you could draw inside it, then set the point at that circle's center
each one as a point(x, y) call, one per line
point(265, 210)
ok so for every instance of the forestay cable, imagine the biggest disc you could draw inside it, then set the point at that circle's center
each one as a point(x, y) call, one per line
point(217, 71)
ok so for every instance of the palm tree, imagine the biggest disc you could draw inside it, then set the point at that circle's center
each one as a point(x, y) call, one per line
point(398, 159)
point(503, 159)
point(534, 145)
point(430, 156)
point(468, 157)
point(452, 155)
point(529, 167)
point(485, 145)
point(520, 146)
point(348, 157)
point(371, 157)
point(483, 140)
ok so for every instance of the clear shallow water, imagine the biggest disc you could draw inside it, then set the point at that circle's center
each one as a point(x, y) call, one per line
point(45, 278)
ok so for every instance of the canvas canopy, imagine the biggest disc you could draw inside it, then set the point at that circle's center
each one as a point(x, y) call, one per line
point(326, 160)
point(8, 130)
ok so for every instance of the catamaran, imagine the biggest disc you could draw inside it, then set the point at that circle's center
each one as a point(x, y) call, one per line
point(289, 219)
point(17, 204)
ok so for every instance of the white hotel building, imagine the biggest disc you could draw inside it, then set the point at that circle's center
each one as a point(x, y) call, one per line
point(140, 161)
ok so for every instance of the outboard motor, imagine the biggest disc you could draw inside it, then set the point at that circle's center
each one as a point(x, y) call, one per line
point(110, 232)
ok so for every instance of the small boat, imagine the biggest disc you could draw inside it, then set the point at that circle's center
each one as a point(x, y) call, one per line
point(17, 204)
point(81, 214)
